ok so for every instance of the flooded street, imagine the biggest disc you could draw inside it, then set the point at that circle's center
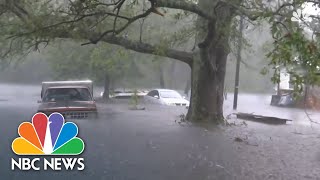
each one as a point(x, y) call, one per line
point(148, 56)
point(125, 144)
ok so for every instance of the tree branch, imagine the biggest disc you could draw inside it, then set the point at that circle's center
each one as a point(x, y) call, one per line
point(182, 5)
point(183, 56)
point(141, 47)
point(186, 57)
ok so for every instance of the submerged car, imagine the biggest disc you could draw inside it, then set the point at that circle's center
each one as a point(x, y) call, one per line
point(126, 94)
point(167, 97)
point(73, 99)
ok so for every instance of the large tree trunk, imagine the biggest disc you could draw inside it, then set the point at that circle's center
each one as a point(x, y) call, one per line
point(208, 87)
point(209, 67)
point(106, 91)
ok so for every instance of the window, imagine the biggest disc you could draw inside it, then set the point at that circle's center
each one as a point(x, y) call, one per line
point(67, 94)
point(153, 93)
point(170, 94)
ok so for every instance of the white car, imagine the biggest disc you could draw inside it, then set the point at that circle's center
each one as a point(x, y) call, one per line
point(125, 94)
point(167, 97)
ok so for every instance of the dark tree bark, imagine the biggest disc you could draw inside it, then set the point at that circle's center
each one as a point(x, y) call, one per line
point(207, 87)
point(106, 87)
point(209, 66)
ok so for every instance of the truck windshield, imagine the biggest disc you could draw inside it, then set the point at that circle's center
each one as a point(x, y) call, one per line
point(67, 94)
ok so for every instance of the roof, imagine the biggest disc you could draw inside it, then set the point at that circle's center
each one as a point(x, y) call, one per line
point(60, 87)
point(122, 90)
point(164, 89)
point(54, 82)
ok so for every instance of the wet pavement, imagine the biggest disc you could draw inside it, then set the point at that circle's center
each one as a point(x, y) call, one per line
point(149, 144)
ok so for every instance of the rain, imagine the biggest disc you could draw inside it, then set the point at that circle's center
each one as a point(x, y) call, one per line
point(193, 90)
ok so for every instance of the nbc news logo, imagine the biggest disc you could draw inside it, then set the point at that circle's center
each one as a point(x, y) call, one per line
point(51, 137)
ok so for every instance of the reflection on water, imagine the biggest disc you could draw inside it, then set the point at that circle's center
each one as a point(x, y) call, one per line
point(14, 91)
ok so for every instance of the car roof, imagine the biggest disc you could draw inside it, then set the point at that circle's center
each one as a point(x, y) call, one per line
point(54, 82)
point(64, 87)
point(128, 90)
point(165, 90)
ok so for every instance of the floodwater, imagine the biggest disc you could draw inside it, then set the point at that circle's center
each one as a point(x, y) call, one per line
point(125, 144)
point(260, 104)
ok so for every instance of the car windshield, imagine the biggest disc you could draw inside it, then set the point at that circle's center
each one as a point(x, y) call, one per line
point(67, 94)
point(170, 94)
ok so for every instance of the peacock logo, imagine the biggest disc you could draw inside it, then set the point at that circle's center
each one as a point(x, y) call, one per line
point(48, 136)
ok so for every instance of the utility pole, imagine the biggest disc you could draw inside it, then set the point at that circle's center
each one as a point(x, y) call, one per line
point(236, 85)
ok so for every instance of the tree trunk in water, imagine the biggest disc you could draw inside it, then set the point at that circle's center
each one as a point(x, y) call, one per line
point(209, 66)
point(106, 87)
point(161, 76)
point(208, 88)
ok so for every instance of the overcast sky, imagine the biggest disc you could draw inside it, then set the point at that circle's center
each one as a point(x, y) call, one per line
point(310, 10)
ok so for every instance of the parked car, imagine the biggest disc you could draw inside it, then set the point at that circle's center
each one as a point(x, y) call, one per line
point(167, 97)
point(73, 99)
point(125, 94)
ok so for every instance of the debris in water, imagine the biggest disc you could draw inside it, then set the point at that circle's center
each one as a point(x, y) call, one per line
point(237, 139)
point(219, 166)
point(262, 119)
point(137, 108)
point(245, 140)
point(181, 119)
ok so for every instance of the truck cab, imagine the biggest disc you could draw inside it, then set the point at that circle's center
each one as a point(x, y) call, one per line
point(73, 99)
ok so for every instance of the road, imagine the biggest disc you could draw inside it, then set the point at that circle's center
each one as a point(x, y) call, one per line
point(133, 145)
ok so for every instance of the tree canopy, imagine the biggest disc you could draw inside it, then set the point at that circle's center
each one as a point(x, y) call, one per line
point(30, 25)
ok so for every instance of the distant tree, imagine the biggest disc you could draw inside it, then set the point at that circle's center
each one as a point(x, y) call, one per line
point(111, 64)
point(102, 63)
point(69, 61)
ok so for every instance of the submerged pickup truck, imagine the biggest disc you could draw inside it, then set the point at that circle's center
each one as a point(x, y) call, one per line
point(73, 99)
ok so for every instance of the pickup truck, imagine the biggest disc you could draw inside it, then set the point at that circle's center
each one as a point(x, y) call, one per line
point(73, 99)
